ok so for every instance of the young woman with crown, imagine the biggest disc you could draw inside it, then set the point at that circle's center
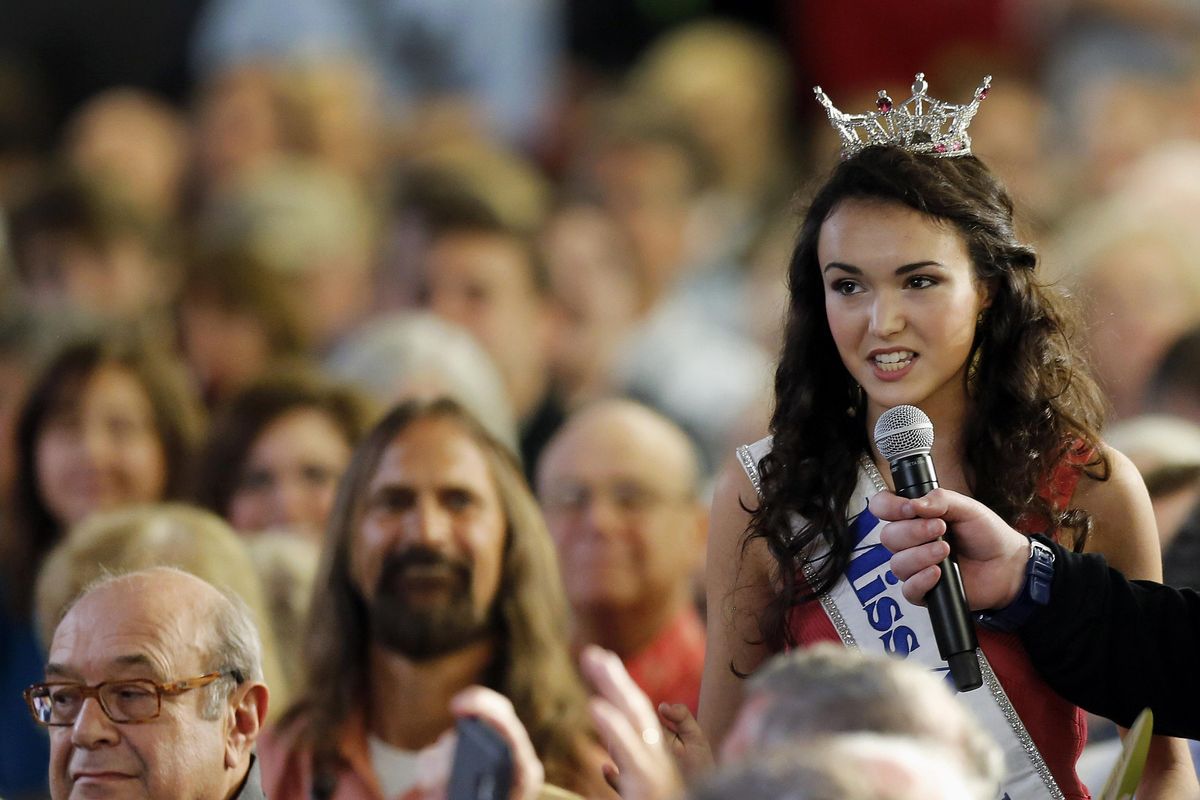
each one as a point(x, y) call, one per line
point(908, 286)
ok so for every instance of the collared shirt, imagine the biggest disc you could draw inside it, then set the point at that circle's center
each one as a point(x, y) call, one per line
point(287, 767)
point(668, 669)
point(252, 786)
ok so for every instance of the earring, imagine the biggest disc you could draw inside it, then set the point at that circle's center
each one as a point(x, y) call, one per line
point(858, 399)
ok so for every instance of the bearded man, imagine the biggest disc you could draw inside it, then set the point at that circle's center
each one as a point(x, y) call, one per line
point(437, 574)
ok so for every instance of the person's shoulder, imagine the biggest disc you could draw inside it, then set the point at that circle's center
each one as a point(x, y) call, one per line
point(1116, 483)
point(739, 476)
point(283, 759)
point(1124, 530)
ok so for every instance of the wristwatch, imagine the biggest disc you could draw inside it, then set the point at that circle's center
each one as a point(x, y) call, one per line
point(1039, 574)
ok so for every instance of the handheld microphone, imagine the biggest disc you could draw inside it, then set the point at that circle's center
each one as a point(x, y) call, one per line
point(904, 436)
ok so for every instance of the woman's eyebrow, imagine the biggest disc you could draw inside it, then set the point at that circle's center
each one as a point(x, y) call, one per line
point(901, 270)
point(907, 268)
point(844, 267)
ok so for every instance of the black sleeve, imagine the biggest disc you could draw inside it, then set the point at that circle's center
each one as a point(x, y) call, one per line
point(1114, 646)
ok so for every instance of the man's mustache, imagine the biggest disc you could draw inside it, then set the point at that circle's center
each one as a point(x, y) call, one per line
point(396, 565)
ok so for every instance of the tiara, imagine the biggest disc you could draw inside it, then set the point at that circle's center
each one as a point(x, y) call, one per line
point(921, 124)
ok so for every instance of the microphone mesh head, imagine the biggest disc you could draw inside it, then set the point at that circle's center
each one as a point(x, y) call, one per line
point(903, 431)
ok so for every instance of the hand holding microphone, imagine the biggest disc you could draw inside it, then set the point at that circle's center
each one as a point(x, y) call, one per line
point(904, 436)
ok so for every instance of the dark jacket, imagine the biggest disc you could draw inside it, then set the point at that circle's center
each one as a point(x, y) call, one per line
point(1115, 646)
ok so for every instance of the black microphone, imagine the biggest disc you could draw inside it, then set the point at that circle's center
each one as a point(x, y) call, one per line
point(904, 436)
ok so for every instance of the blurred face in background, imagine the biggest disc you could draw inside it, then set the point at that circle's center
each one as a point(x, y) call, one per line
point(484, 282)
point(135, 142)
point(237, 125)
point(116, 278)
point(226, 348)
point(290, 476)
point(596, 294)
point(617, 485)
point(101, 450)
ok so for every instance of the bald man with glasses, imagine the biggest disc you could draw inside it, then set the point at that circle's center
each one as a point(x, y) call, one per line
point(619, 485)
point(153, 690)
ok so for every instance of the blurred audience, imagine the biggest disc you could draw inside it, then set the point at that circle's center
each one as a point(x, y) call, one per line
point(276, 451)
point(400, 356)
point(461, 67)
point(1137, 272)
point(648, 171)
point(731, 87)
point(857, 766)
point(80, 247)
point(237, 118)
point(1174, 387)
point(793, 703)
point(135, 143)
point(620, 487)
point(107, 423)
point(596, 298)
point(314, 229)
point(18, 354)
point(236, 321)
point(1166, 451)
point(287, 567)
point(491, 280)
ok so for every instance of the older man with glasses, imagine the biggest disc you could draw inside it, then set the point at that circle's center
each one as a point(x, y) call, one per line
point(153, 690)
point(619, 485)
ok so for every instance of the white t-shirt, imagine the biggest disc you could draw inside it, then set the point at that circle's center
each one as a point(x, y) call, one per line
point(395, 767)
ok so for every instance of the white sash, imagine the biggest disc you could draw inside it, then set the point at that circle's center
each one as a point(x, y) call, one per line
point(869, 611)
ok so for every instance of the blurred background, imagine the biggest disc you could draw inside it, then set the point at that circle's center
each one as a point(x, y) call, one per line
point(231, 231)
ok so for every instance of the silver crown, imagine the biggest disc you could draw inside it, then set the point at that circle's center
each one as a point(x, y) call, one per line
point(921, 124)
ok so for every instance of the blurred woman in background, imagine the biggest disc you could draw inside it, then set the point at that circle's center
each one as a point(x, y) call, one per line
point(276, 451)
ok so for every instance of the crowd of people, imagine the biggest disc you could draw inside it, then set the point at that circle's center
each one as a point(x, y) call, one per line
point(412, 358)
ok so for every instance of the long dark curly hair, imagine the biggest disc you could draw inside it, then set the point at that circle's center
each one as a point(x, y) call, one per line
point(1031, 396)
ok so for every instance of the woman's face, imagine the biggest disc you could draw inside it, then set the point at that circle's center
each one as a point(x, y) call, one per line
point(103, 451)
point(290, 476)
point(902, 302)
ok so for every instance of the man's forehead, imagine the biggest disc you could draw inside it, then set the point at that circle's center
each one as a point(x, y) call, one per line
point(436, 451)
point(126, 627)
point(66, 663)
point(617, 460)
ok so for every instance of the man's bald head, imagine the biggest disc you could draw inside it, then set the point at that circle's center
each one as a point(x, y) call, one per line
point(637, 428)
point(159, 632)
point(619, 485)
point(222, 624)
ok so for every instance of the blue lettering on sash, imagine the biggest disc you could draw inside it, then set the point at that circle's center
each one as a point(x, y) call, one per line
point(882, 612)
point(947, 677)
point(863, 524)
point(900, 642)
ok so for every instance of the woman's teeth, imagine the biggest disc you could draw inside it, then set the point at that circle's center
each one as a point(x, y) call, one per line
point(893, 362)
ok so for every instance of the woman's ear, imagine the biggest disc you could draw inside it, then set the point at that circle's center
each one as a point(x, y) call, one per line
point(987, 292)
